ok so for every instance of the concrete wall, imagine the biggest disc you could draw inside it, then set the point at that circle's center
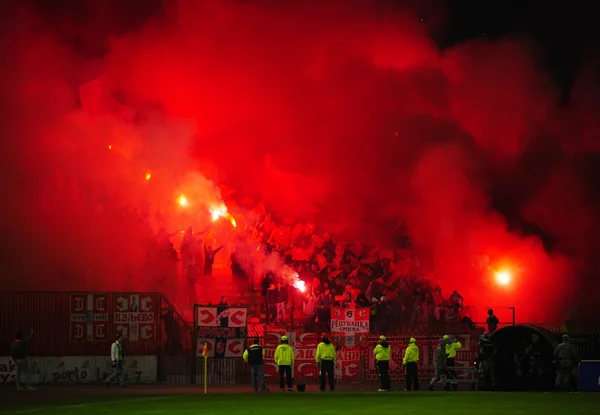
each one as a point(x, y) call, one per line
point(80, 369)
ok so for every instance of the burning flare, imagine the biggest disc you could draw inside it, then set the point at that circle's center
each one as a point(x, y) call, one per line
point(503, 278)
point(148, 176)
point(220, 211)
point(182, 201)
point(299, 284)
point(292, 278)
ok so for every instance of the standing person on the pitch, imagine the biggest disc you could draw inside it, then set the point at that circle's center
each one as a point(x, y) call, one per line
point(19, 352)
point(382, 354)
point(452, 346)
point(254, 355)
point(566, 358)
point(440, 362)
point(117, 356)
point(326, 356)
point(411, 365)
point(284, 358)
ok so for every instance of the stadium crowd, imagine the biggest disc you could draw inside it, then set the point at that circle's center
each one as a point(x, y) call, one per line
point(390, 282)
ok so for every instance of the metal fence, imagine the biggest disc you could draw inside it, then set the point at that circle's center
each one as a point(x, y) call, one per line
point(358, 369)
point(50, 315)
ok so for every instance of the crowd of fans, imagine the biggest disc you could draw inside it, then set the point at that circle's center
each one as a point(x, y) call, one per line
point(389, 282)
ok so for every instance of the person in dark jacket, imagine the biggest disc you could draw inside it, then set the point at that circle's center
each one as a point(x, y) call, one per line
point(19, 351)
point(254, 355)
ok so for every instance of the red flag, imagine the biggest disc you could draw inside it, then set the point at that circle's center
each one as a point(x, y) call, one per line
point(205, 350)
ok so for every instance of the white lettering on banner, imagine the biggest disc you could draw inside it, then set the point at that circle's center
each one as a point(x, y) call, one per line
point(346, 323)
point(350, 326)
point(134, 317)
point(87, 312)
point(146, 304)
point(122, 304)
point(80, 369)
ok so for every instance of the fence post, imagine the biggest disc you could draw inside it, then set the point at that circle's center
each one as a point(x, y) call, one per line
point(514, 320)
point(194, 347)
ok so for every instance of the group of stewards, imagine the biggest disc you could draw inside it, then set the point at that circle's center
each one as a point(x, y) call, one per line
point(326, 358)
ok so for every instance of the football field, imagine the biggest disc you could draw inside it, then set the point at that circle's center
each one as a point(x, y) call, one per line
point(314, 403)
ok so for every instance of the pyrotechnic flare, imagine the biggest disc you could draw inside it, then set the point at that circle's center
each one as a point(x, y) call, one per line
point(182, 201)
point(503, 278)
point(220, 211)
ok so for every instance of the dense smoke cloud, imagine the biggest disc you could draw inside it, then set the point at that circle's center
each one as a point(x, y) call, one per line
point(338, 114)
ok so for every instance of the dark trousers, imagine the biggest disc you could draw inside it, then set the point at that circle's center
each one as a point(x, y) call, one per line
point(450, 362)
point(327, 370)
point(258, 377)
point(285, 372)
point(383, 367)
point(412, 376)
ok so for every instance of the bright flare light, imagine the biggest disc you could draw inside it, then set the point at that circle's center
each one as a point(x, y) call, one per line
point(217, 212)
point(301, 285)
point(182, 200)
point(221, 211)
point(148, 176)
point(503, 278)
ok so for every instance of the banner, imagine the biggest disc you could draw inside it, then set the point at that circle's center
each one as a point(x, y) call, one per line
point(135, 316)
point(305, 349)
point(223, 329)
point(349, 326)
point(88, 317)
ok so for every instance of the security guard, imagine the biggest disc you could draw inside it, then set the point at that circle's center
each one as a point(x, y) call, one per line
point(485, 361)
point(254, 357)
point(452, 346)
point(411, 364)
point(566, 359)
point(382, 354)
point(284, 358)
point(326, 356)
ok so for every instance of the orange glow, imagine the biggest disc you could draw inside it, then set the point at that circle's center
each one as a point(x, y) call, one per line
point(220, 211)
point(148, 176)
point(182, 200)
point(503, 278)
point(217, 212)
point(109, 147)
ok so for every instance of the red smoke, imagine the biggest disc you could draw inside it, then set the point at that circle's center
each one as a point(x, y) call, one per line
point(336, 115)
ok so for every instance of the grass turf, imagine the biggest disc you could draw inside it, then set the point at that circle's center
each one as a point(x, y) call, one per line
point(310, 403)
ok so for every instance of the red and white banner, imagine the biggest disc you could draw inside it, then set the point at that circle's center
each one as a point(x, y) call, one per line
point(135, 316)
point(89, 317)
point(223, 329)
point(349, 326)
point(305, 349)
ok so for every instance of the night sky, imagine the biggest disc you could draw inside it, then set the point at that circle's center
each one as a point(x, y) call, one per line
point(495, 103)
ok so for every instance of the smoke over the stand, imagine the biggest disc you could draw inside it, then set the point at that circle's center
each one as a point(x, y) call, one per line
point(335, 115)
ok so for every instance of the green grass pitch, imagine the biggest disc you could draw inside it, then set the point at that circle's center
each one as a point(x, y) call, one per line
point(315, 403)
